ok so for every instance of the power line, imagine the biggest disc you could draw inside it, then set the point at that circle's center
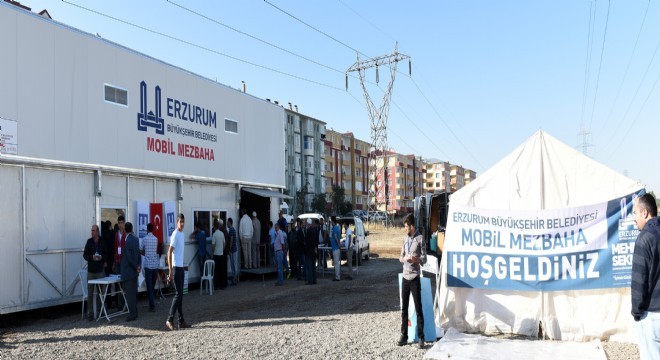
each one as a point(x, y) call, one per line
point(423, 95)
point(587, 64)
point(446, 125)
point(625, 74)
point(202, 47)
point(602, 50)
point(366, 20)
point(637, 116)
point(632, 100)
point(313, 28)
point(253, 37)
point(395, 134)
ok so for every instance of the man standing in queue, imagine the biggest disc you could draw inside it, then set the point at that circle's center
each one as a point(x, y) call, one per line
point(645, 283)
point(131, 263)
point(175, 264)
point(413, 255)
point(95, 255)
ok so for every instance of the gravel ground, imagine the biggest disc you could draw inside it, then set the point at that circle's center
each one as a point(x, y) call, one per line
point(356, 319)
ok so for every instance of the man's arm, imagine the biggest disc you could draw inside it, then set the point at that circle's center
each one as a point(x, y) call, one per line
point(640, 278)
point(170, 251)
point(87, 253)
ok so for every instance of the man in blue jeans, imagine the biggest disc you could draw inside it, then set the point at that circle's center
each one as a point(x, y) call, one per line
point(175, 264)
point(413, 255)
point(280, 250)
point(149, 248)
point(645, 283)
point(200, 239)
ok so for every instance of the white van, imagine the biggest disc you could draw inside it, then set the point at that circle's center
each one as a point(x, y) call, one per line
point(361, 236)
point(286, 213)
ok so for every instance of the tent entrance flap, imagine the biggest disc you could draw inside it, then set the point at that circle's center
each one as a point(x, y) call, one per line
point(267, 193)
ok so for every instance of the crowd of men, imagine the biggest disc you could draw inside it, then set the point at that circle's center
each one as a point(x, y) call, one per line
point(293, 248)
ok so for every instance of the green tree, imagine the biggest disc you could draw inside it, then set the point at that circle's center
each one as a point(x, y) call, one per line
point(319, 203)
point(337, 199)
point(345, 207)
point(300, 200)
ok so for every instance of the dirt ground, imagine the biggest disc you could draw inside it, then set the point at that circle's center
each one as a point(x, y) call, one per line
point(356, 319)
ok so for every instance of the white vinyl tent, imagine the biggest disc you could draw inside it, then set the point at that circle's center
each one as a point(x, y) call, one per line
point(542, 173)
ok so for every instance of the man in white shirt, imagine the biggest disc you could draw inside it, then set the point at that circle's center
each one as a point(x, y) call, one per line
point(220, 258)
point(256, 240)
point(175, 264)
point(349, 252)
point(245, 231)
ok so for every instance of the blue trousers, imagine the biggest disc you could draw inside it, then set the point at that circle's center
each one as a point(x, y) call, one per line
point(177, 301)
point(149, 279)
point(310, 269)
point(648, 331)
point(279, 255)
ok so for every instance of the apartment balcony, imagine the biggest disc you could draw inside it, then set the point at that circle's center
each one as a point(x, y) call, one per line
point(309, 151)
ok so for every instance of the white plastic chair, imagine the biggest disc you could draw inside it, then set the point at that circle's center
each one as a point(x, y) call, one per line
point(82, 274)
point(209, 268)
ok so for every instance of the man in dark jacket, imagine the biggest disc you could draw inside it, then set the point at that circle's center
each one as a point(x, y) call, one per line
point(131, 263)
point(95, 254)
point(311, 249)
point(645, 284)
point(301, 234)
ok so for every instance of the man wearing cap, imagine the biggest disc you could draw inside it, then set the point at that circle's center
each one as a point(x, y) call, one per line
point(256, 240)
point(219, 256)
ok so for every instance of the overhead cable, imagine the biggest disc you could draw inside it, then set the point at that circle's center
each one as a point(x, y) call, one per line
point(254, 37)
point(625, 74)
point(202, 47)
point(313, 28)
point(600, 64)
point(587, 65)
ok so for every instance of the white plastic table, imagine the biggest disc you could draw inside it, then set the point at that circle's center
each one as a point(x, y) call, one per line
point(101, 289)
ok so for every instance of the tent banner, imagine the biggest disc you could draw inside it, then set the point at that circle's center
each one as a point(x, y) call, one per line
point(587, 247)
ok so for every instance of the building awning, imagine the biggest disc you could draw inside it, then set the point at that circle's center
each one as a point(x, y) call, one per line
point(267, 193)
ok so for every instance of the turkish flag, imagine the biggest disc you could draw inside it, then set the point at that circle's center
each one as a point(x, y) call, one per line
point(156, 213)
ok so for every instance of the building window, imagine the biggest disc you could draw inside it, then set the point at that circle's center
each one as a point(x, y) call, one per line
point(231, 126)
point(115, 95)
point(206, 217)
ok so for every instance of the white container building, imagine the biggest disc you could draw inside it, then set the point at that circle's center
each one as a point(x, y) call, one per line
point(89, 129)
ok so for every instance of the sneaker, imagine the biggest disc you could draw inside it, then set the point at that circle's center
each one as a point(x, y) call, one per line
point(183, 325)
point(421, 343)
point(169, 325)
point(403, 340)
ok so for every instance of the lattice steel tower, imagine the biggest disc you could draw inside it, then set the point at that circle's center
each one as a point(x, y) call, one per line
point(378, 118)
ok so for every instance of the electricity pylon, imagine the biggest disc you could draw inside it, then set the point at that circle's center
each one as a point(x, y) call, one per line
point(378, 161)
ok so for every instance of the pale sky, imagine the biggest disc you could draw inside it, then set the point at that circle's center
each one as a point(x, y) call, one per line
point(486, 75)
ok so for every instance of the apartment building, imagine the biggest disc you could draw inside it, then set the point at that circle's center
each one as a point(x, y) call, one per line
point(304, 156)
point(457, 174)
point(403, 181)
point(438, 176)
point(347, 165)
point(470, 175)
